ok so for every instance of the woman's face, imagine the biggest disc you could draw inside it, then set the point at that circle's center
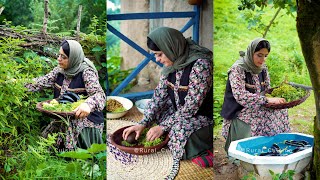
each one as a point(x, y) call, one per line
point(63, 59)
point(259, 57)
point(162, 58)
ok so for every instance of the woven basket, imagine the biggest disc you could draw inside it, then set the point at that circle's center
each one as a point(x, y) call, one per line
point(116, 139)
point(287, 104)
point(53, 113)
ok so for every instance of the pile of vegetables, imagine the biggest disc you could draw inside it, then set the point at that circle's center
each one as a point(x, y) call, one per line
point(114, 106)
point(288, 92)
point(66, 103)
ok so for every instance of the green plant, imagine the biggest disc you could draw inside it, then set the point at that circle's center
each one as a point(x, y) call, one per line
point(249, 176)
point(288, 175)
point(95, 152)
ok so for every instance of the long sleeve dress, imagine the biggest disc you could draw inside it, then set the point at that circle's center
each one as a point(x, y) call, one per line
point(96, 101)
point(181, 123)
point(263, 121)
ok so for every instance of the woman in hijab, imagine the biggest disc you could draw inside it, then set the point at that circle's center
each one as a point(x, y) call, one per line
point(244, 110)
point(76, 74)
point(182, 103)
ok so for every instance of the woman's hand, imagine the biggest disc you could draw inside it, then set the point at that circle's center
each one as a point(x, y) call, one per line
point(82, 111)
point(275, 100)
point(154, 133)
point(136, 128)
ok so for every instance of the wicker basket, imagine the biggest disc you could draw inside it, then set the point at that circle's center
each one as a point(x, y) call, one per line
point(53, 113)
point(287, 104)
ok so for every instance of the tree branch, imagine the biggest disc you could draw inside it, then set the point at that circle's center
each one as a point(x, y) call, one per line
point(271, 22)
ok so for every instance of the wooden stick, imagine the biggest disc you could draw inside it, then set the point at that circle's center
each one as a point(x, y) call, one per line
point(46, 16)
point(78, 23)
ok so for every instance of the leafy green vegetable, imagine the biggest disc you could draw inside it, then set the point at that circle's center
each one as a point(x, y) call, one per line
point(54, 105)
point(143, 140)
point(288, 92)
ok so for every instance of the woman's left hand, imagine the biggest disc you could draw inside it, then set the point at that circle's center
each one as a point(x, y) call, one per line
point(82, 111)
point(154, 133)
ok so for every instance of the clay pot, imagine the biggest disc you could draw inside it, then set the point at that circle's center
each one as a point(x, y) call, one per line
point(195, 2)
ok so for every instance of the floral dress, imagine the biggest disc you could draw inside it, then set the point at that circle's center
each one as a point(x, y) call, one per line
point(181, 123)
point(263, 121)
point(96, 101)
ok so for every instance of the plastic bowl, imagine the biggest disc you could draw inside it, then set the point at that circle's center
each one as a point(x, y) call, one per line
point(142, 104)
point(126, 103)
point(116, 139)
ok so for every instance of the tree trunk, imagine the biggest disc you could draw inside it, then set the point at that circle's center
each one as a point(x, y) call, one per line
point(46, 16)
point(78, 23)
point(1, 9)
point(308, 27)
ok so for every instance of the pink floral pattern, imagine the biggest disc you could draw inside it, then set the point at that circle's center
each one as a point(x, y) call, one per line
point(263, 121)
point(181, 123)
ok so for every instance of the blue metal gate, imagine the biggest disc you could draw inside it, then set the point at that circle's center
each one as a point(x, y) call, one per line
point(194, 21)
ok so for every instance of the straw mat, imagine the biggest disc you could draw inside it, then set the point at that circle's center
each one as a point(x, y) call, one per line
point(125, 166)
point(152, 167)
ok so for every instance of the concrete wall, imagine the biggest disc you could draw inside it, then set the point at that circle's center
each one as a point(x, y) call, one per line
point(137, 30)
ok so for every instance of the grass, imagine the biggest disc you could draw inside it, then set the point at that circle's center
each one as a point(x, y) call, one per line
point(285, 59)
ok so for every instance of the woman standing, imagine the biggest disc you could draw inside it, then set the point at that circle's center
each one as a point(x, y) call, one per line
point(182, 103)
point(77, 74)
point(244, 110)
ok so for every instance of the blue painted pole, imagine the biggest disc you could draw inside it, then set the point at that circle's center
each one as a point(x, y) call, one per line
point(131, 76)
point(188, 25)
point(196, 24)
point(151, 15)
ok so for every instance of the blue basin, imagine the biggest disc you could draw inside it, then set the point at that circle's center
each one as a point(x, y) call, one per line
point(248, 151)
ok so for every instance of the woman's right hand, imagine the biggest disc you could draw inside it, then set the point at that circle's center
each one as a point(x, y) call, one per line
point(275, 100)
point(136, 128)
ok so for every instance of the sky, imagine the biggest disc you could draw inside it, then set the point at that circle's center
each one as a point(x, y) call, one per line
point(110, 5)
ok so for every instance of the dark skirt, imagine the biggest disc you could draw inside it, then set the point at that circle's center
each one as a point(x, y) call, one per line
point(238, 130)
point(199, 142)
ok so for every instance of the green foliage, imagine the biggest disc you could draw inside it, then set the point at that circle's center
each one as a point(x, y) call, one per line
point(39, 162)
point(17, 11)
point(256, 19)
point(96, 151)
point(288, 175)
point(115, 74)
point(289, 5)
point(63, 15)
point(16, 105)
point(249, 176)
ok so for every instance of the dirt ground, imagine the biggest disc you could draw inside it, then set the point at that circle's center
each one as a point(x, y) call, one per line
point(225, 169)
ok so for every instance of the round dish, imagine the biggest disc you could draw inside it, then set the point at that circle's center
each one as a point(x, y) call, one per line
point(142, 104)
point(116, 139)
point(126, 103)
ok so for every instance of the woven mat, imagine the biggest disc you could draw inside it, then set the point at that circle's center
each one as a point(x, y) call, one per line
point(153, 166)
point(187, 171)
